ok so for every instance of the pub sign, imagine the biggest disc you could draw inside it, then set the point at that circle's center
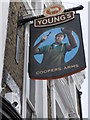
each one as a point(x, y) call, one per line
point(56, 47)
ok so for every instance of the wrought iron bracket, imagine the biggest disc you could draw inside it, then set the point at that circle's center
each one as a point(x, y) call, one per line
point(23, 21)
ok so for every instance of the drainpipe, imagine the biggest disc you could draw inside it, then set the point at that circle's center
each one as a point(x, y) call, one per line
point(79, 95)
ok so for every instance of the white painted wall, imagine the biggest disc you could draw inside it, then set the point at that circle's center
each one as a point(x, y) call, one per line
point(84, 24)
point(40, 86)
point(4, 8)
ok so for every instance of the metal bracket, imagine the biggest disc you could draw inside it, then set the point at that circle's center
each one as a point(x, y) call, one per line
point(28, 19)
point(31, 18)
point(80, 7)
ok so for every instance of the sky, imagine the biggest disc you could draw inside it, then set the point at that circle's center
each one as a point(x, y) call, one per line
point(84, 24)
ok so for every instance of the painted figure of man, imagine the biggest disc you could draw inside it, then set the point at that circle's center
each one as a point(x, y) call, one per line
point(54, 54)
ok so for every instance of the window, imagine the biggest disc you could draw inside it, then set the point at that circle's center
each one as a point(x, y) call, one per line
point(30, 98)
point(59, 113)
point(32, 92)
point(29, 111)
point(28, 108)
point(33, 3)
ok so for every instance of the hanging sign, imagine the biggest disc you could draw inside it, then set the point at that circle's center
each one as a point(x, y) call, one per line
point(56, 50)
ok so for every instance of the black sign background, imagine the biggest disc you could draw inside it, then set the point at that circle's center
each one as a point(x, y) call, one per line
point(66, 69)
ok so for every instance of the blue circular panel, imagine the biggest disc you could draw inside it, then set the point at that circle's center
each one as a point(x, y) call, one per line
point(51, 39)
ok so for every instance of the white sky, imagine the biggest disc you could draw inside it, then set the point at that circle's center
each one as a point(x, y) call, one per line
point(84, 24)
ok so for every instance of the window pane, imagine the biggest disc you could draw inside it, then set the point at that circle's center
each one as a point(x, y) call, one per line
point(32, 92)
point(29, 112)
point(33, 5)
point(59, 113)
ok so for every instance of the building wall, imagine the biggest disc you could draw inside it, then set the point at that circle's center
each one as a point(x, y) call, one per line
point(4, 8)
point(14, 69)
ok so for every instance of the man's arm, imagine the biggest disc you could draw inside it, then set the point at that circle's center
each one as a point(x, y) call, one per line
point(72, 41)
point(36, 49)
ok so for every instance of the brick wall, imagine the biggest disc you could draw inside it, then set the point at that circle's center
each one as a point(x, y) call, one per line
point(14, 69)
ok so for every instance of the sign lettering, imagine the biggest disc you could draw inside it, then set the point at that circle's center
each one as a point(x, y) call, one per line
point(54, 20)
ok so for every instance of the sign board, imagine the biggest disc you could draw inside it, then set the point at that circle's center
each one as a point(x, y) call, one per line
point(56, 50)
point(54, 20)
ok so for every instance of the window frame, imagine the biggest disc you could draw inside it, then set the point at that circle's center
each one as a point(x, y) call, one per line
point(42, 111)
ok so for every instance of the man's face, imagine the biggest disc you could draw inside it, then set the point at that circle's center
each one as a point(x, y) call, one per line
point(59, 38)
